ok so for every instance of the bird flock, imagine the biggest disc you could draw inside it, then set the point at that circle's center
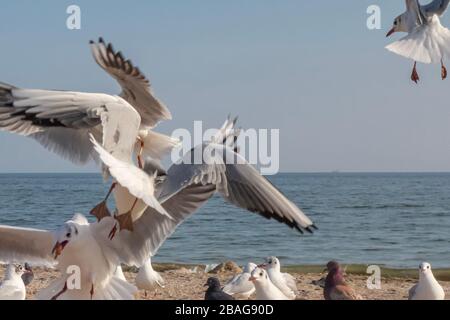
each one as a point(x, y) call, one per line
point(118, 132)
point(150, 200)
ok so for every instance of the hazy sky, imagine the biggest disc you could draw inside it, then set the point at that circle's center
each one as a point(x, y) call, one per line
point(310, 68)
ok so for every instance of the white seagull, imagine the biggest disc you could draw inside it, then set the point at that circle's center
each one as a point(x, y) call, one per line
point(240, 285)
point(284, 281)
point(427, 288)
point(63, 120)
point(265, 289)
point(12, 287)
point(82, 252)
point(238, 182)
point(427, 40)
point(148, 279)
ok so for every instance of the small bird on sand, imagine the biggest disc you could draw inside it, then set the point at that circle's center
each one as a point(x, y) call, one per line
point(214, 291)
point(335, 286)
point(240, 285)
point(427, 40)
point(428, 288)
point(149, 279)
point(321, 281)
point(12, 286)
point(283, 281)
point(265, 289)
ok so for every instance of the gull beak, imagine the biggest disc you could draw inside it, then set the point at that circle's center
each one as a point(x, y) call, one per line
point(263, 265)
point(58, 248)
point(390, 32)
point(252, 279)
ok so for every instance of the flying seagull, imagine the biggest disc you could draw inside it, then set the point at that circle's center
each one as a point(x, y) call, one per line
point(427, 40)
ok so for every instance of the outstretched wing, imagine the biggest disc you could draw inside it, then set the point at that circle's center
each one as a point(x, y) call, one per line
point(136, 88)
point(62, 120)
point(237, 181)
point(22, 245)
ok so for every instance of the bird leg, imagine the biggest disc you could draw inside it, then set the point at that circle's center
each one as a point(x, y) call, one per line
point(101, 210)
point(125, 221)
point(92, 291)
point(414, 74)
point(443, 71)
point(139, 156)
point(145, 294)
point(56, 296)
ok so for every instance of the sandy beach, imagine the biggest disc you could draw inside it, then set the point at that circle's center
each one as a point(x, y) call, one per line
point(182, 283)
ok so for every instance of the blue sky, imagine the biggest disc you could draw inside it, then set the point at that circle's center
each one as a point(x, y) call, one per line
point(310, 68)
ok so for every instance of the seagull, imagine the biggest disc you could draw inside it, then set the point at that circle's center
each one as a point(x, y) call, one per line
point(335, 286)
point(284, 281)
point(149, 279)
point(63, 120)
point(12, 287)
point(238, 183)
point(214, 292)
point(427, 288)
point(240, 285)
point(427, 40)
point(265, 289)
point(75, 244)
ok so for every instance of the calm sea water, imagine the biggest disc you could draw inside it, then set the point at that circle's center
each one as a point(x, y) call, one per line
point(393, 219)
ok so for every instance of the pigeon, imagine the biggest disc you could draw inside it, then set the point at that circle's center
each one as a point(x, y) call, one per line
point(321, 281)
point(265, 289)
point(240, 285)
point(214, 291)
point(28, 275)
point(283, 281)
point(427, 288)
point(12, 286)
point(335, 286)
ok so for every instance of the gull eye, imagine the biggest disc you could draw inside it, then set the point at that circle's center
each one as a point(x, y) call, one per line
point(68, 234)
point(428, 267)
point(261, 274)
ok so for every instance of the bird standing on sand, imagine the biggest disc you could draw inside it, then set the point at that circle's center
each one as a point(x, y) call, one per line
point(12, 287)
point(265, 289)
point(28, 275)
point(214, 292)
point(283, 281)
point(335, 286)
point(240, 285)
point(427, 40)
point(148, 279)
point(428, 288)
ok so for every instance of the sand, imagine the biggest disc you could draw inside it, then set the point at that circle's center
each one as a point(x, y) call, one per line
point(183, 284)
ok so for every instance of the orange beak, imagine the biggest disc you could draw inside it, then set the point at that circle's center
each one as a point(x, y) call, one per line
point(263, 265)
point(390, 32)
point(58, 248)
point(252, 279)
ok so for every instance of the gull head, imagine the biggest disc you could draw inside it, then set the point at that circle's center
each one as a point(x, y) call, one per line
point(425, 268)
point(399, 25)
point(19, 269)
point(66, 234)
point(271, 263)
point(259, 275)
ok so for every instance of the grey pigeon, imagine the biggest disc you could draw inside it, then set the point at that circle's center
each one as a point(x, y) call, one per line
point(28, 276)
point(215, 292)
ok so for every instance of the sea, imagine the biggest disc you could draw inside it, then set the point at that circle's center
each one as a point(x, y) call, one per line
point(392, 219)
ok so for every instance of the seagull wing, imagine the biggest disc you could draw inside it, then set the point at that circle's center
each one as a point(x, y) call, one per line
point(135, 86)
point(240, 284)
point(62, 120)
point(415, 15)
point(237, 181)
point(412, 292)
point(138, 183)
point(290, 281)
point(437, 7)
point(26, 245)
